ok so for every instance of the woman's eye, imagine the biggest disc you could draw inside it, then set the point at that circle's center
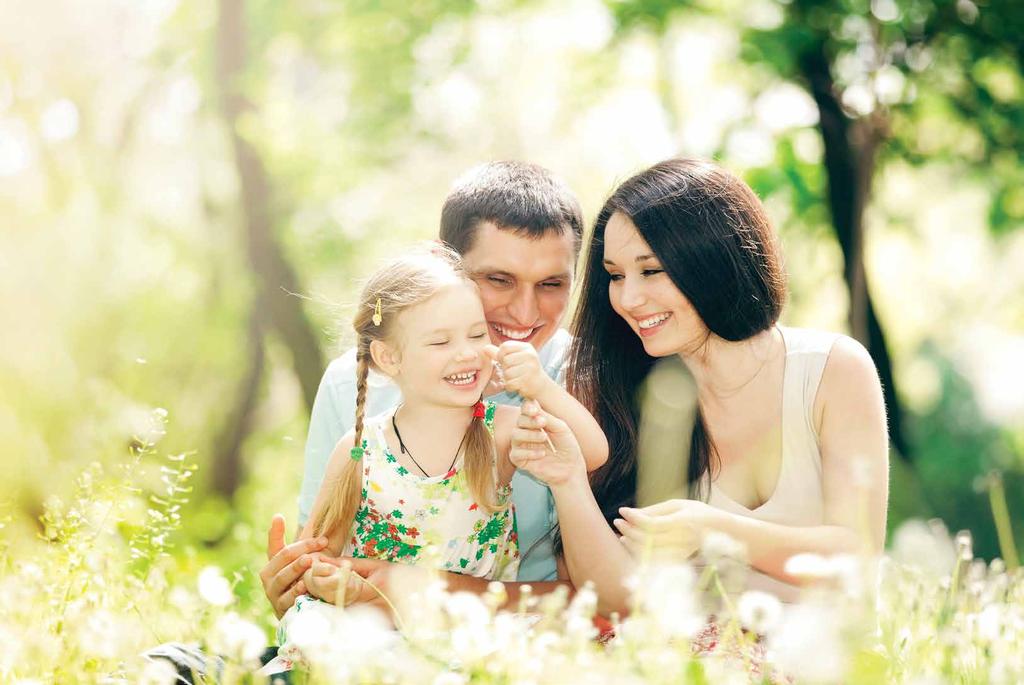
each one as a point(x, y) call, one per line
point(615, 277)
point(651, 272)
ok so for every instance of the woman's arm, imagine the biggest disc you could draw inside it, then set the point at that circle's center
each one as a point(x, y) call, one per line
point(850, 416)
point(592, 551)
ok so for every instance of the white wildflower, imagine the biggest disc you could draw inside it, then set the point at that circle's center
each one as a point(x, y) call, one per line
point(759, 611)
point(717, 545)
point(808, 566)
point(158, 672)
point(926, 546)
point(214, 588)
point(450, 678)
point(667, 595)
point(468, 609)
point(990, 622)
point(807, 644)
point(99, 635)
point(239, 639)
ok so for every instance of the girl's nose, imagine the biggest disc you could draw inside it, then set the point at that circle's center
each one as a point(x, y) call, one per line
point(467, 353)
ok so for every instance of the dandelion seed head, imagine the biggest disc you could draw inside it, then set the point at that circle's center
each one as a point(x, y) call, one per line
point(808, 645)
point(239, 639)
point(214, 588)
point(759, 611)
point(926, 546)
point(158, 672)
point(716, 546)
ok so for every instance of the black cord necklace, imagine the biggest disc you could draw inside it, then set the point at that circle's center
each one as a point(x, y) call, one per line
point(405, 450)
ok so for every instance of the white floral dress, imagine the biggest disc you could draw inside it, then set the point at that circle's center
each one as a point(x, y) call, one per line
point(404, 517)
point(408, 519)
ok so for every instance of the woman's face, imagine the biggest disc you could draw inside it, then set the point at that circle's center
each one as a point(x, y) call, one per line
point(645, 297)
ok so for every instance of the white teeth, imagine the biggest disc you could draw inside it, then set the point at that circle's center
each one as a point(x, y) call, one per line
point(461, 378)
point(515, 335)
point(653, 321)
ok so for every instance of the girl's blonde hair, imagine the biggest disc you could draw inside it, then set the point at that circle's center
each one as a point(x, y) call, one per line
point(404, 282)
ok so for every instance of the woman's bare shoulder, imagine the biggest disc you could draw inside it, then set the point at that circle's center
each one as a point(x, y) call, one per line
point(849, 382)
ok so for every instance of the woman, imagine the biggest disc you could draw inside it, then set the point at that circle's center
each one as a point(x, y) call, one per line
point(789, 453)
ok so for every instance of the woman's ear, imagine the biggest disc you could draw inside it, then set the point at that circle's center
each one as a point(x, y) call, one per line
point(385, 358)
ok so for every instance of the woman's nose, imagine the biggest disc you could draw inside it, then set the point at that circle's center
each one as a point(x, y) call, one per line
point(632, 294)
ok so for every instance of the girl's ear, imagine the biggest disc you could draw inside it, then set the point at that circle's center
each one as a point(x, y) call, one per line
point(385, 358)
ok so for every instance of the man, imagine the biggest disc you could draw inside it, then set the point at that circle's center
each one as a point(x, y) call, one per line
point(519, 231)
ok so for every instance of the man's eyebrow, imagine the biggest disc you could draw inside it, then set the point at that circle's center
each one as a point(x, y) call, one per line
point(498, 272)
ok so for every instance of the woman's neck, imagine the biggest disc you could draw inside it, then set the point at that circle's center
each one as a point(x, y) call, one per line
point(722, 368)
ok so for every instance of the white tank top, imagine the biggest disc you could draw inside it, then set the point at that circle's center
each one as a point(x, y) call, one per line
point(798, 499)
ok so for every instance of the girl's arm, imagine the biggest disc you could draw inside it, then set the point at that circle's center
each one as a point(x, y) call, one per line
point(850, 415)
point(557, 401)
point(522, 373)
point(339, 458)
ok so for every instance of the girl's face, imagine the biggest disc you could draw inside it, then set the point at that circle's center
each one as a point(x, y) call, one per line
point(645, 297)
point(439, 356)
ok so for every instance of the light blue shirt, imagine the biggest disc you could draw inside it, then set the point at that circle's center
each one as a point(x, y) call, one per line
point(334, 413)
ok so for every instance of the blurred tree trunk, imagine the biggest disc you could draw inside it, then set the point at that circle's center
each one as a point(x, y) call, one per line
point(227, 467)
point(850, 151)
point(275, 304)
point(276, 280)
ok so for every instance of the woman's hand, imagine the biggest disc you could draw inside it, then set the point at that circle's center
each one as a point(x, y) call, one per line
point(673, 529)
point(535, 434)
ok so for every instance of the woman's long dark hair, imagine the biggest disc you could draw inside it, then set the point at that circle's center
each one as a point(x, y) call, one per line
point(714, 240)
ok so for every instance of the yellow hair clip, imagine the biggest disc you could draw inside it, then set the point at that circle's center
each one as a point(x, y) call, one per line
point(377, 316)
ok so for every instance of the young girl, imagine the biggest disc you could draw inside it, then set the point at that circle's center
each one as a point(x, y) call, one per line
point(434, 472)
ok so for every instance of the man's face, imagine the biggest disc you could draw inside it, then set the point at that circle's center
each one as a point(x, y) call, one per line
point(524, 282)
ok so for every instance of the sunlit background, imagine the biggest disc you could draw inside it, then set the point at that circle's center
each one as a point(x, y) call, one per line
point(190, 190)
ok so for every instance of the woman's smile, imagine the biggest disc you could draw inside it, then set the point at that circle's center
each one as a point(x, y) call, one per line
point(650, 325)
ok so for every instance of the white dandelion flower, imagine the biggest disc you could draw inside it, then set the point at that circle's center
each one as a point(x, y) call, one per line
point(239, 639)
point(158, 672)
point(214, 588)
point(759, 611)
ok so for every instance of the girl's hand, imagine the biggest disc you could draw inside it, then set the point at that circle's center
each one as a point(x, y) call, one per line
point(521, 368)
point(672, 529)
point(530, 449)
point(326, 580)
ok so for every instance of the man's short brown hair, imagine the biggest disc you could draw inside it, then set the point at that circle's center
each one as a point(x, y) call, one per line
point(517, 196)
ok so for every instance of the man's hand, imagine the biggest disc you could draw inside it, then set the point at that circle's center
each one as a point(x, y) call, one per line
point(282, 575)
